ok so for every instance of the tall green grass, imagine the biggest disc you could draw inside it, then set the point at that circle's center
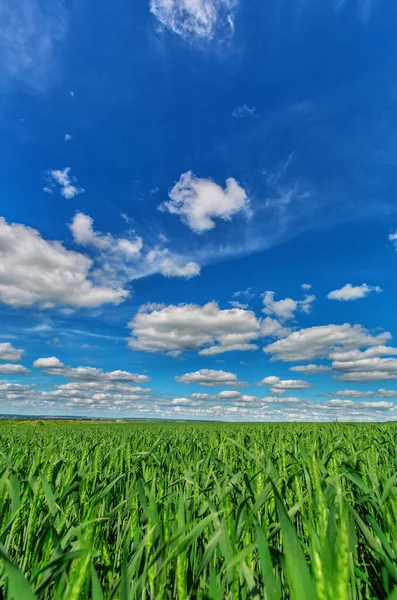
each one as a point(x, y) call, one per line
point(206, 511)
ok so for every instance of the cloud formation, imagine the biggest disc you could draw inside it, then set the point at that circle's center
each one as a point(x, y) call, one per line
point(351, 292)
point(373, 364)
point(65, 181)
point(280, 386)
point(53, 366)
point(169, 268)
point(285, 309)
point(9, 369)
point(320, 341)
point(199, 201)
point(125, 258)
point(37, 271)
point(8, 352)
point(174, 328)
point(210, 378)
point(310, 369)
point(201, 19)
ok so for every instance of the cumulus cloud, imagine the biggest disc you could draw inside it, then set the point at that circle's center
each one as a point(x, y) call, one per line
point(310, 369)
point(221, 349)
point(244, 111)
point(353, 394)
point(387, 393)
point(37, 271)
point(53, 366)
point(280, 386)
point(321, 341)
point(351, 292)
point(6, 387)
point(306, 286)
point(273, 328)
point(98, 394)
point(9, 369)
point(225, 395)
point(169, 268)
point(210, 378)
point(373, 364)
point(285, 309)
point(7, 350)
point(123, 257)
point(200, 201)
point(202, 19)
point(82, 228)
point(173, 329)
point(360, 405)
point(65, 181)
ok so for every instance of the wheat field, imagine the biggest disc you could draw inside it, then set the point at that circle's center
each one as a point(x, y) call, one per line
point(198, 510)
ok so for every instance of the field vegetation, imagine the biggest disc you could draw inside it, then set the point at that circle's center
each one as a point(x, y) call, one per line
point(198, 510)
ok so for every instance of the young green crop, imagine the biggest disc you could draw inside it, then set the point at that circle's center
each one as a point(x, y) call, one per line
point(198, 510)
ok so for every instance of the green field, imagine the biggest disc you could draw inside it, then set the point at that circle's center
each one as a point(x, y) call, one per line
point(206, 510)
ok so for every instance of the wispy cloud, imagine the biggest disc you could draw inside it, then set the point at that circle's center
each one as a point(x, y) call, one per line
point(244, 111)
point(29, 32)
point(202, 19)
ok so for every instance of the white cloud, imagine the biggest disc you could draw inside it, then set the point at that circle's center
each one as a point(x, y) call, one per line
point(387, 393)
point(229, 395)
point(270, 380)
point(173, 329)
point(195, 18)
point(350, 292)
point(244, 111)
point(353, 394)
point(7, 350)
point(14, 388)
point(65, 181)
point(279, 386)
point(247, 294)
point(53, 366)
point(9, 369)
point(361, 405)
point(184, 402)
point(125, 258)
point(273, 328)
point(36, 271)
point(306, 286)
point(100, 393)
point(393, 238)
point(225, 395)
point(221, 349)
point(285, 309)
point(237, 304)
point(358, 355)
point(210, 378)
point(199, 201)
point(68, 137)
point(320, 341)
point(30, 32)
point(373, 364)
point(84, 234)
point(169, 268)
point(310, 369)
point(367, 376)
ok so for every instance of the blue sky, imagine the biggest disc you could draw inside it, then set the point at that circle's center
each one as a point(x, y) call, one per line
point(198, 205)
